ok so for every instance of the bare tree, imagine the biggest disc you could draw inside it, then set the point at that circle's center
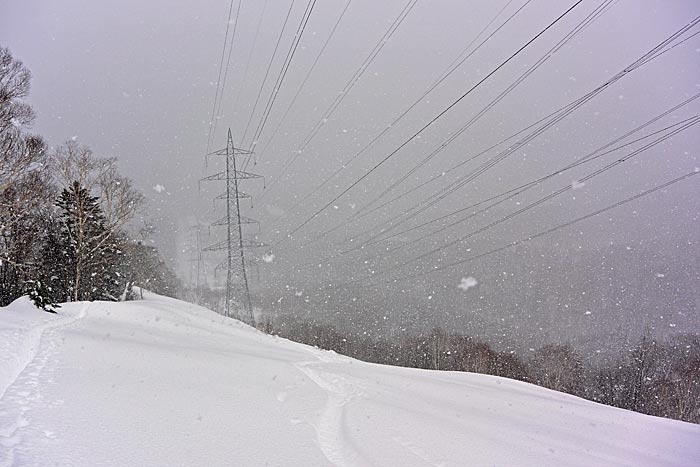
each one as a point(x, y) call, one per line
point(119, 200)
point(438, 347)
point(17, 153)
point(24, 187)
point(23, 158)
point(557, 367)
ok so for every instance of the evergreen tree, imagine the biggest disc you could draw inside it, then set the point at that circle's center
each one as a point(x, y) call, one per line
point(41, 295)
point(90, 248)
point(54, 274)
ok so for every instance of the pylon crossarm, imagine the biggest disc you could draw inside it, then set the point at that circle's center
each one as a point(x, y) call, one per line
point(216, 176)
point(239, 175)
point(224, 221)
point(217, 246)
point(239, 195)
point(229, 152)
point(248, 220)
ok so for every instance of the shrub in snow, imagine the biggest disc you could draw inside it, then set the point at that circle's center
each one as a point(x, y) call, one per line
point(40, 295)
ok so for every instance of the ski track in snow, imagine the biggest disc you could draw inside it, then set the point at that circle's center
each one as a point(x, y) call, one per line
point(340, 390)
point(21, 390)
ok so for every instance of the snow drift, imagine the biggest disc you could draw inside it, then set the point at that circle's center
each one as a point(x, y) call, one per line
point(161, 382)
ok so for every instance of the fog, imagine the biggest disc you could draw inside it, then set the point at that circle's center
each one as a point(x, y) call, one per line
point(138, 80)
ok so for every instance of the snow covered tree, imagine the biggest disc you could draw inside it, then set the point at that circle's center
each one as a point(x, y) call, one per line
point(41, 295)
point(25, 191)
point(54, 273)
point(90, 248)
point(118, 199)
point(641, 373)
point(142, 266)
point(19, 153)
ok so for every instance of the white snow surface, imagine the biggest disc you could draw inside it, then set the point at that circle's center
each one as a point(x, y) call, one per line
point(161, 382)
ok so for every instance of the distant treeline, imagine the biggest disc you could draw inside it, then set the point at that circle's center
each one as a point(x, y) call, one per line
point(651, 377)
point(64, 214)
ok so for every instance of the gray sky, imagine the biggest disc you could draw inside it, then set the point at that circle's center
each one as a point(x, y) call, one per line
point(136, 80)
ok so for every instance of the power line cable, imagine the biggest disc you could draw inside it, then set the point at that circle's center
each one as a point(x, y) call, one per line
point(524, 187)
point(228, 64)
point(267, 71)
point(250, 56)
point(344, 92)
point(283, 73)
point(567, 110)
point(695, 120)
point(443, 112)
point(572, 34)
point(218, 79)
point(444, 75)
point(306, 78)
point(548, 231)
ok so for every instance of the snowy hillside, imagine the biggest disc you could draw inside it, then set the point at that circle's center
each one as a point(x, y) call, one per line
point(165, 383)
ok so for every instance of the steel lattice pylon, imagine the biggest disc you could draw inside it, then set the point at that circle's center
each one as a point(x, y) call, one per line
point(237, 288)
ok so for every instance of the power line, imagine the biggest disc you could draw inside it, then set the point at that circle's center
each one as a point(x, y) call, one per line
point(548, 231)
point(526, 186)
point(693, 121)
point(443, 112)
point(228, 64)
point(250, 55)
point(306, 78)
point(267, 71)
point(531, 184)
point(348, 86)
point(283, 73)
point(547, 55)
point(558, 116)
point(444, 75)
point(523, 188)
point(218, 79)
point(654, 53)
point(582, 25)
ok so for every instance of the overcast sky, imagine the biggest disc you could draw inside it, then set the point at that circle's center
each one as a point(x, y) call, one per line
point(137, 80)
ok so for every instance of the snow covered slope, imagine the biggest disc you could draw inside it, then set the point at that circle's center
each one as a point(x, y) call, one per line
point(165, 383)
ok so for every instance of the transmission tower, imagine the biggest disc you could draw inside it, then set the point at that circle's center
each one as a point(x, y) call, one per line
point(237, 288)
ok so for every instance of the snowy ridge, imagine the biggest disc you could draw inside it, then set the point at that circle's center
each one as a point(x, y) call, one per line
point(164, 383)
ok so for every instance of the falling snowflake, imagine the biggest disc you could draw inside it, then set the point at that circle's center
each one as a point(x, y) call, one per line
point(268, 257)
point(467, 283)
point(159, 188)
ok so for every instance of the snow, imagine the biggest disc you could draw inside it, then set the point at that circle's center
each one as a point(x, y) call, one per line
point(162, 382)
point(576, 185)
point(467, 283)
